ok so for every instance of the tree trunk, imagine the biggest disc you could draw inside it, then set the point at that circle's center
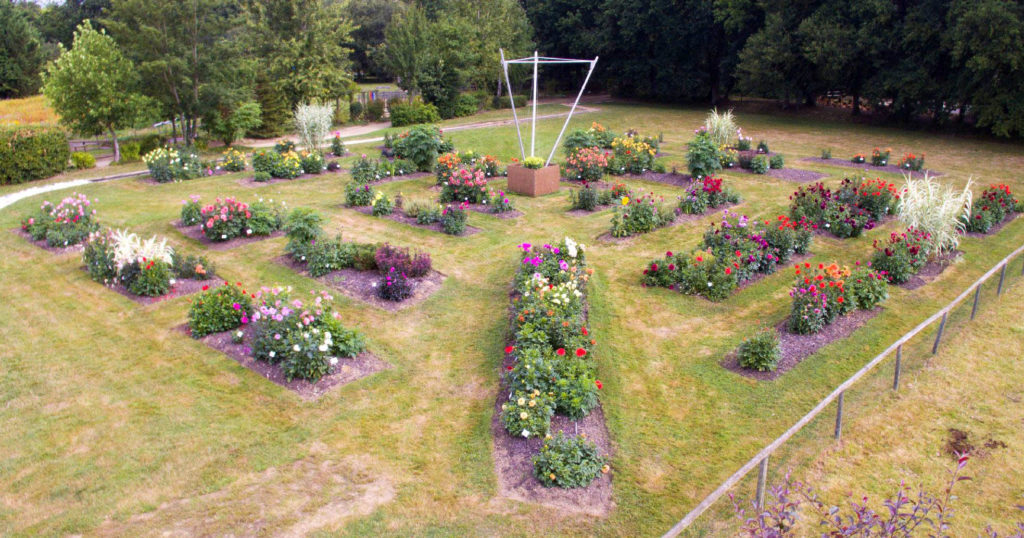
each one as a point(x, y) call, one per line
point(856, 103)
point(117, 146)
point(174, 127)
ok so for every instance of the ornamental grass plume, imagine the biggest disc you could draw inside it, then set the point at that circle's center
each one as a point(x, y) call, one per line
point(936, 210)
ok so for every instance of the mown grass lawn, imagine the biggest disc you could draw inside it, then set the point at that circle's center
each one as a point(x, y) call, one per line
point(116, 423)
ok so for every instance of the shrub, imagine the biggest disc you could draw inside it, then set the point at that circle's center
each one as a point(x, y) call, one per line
point(743, 142)
point(994, 204)
point(366, 170)
point(355, 110)
point(880, 158)
point(568, 462)
point(708, 193)
point(70, 222)
point(464, 105)
point(699, 272)
point(82, 160)
point(586, 164)
point(759, 164)
point(374, 110)
point(99, 257)
point(191, 211)
point(403, 114)
point(219, 309)
point(337, 146)
point(840, 212)
point(284, 146)
point(358, 195)
point(169, 164)
point(465, 186)
point(489, 165)
point(194, 267)
point(305, 342)
point(633, 154)
point(902, 255)
point(425, 213)
point(262, 177)
point(421, 145)
point(638, 215)
point(227, 219)
point(327, 255)
point(776, 162)
point(859, 158)
point(234, 160)
point(289, 166)
point(131, 152)
point(588, 198)
point(394, 286)
point(503, 101)
point(453, 220)
point(702, 156)
point(935, 210)
point(818, 297)
point(31, 153)
point(412, 265)
point(761, 351)
point(500, 202)
point(527, 414)
point(382, 205)
point(826, 154)
point(762, 147)
point(865, 288)
point(312, 162)
point(909, 161)
point(303, 229)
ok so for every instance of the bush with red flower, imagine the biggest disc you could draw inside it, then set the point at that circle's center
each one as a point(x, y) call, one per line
point(909, 161)
point(902, 255)
point(823, 292)
point(856, 206)
point(705, 194)
point(995, 204)
point(219, 309)
point(639, 213)
point(229, 218)
point(68, 223)
point(465, 185)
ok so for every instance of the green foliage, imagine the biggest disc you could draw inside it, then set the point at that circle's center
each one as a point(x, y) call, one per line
point(761, 351)
point(358, 195)
point(394, 286)
point(131, 152)
point(702, 156)
point(421, 145)
point(568, 462)
point(413, 113)
point(21, 52)
point(194, 267)
point(275, 112)
point(638, 216)
point(313, 122)
point(153, 279)
point(720, 127)
point(866, 289)
point(312, 163)
point(776, 162)
point(453, 220)
point(218, 309)
point(99, 258)
point(527, 414)
point(533, 163)
point(382, 205)
point(82, 160)
point(759, 165)
point(31, 153)
point(230, 123)
point(588, 198)
point(303, 227)
point(172, 164)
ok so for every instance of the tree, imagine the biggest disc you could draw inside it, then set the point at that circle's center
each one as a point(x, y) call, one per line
point(407, 51)
point(58, 21)
point(371, 19)
point(90, 86)
point(21, 56)
point(231, 123)
point(189, 54)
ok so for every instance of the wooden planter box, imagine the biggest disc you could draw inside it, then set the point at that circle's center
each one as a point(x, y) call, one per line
point(530, 182)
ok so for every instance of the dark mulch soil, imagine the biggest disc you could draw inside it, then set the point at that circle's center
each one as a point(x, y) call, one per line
point(42, 243)
point(669, 178)
point(680, 219)
point(593, 184)
point(194, 232)
point(584, 212)
point(868, 167)
point(150, 181)
point(514, 465)
point(486, 210)
point(799, 258)
point(251, 182)
point(346, 371)
point(796, 175)
point(180, 288)
point(797, 347)
point(398, 216)
point(362, 285)
point(995, 227)
point(406, 177)
point(931, 270)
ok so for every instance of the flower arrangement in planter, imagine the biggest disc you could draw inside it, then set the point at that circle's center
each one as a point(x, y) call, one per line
point(144, 268)
point(551, 369)
point(532, 178)
point(227, 219)
point(586, 164)
point(706, 194)
point(909, 161)
point(68, 223)
point(823, 292)
point(858, 205)
point(995, 204)
point(639, 214)
point(732, 251)
point(170, 164)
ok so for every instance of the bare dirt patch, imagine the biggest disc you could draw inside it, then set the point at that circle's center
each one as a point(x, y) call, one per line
point(42, 243)
point(405, 177)
point(486, 210)
point(398, 216)
point(148, 180)
point(931, 270)
point(797, 347)
point(797, 175)
point(194, 232)
point(584, 212)
point(669, 178)
point(868, 167)
point(251, 181)
point(346, 371)
point(362, 285)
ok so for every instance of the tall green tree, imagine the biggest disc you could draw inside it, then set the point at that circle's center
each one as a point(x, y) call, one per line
point(21, 55)
point(91, 86)
point(58, 21)
point(189, 53)
point(409, 47)
point(370, 19)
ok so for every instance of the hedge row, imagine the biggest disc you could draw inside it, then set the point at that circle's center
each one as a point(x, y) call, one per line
point(31, 153)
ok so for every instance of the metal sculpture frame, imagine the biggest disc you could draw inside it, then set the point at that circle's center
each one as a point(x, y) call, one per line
point(536, 60)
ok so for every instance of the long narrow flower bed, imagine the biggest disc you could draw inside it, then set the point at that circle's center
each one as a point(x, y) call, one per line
point(552, 371)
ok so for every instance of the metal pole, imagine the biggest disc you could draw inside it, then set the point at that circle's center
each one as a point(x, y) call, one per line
point(762, 477)
point(974, 308)
point(533, 133)
point(839, 415)
point(938, 337)
point(512, 101)
point(571, 110)
point(899, 366)
point(1002, 276)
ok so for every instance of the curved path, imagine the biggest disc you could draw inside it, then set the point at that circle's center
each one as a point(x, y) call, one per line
point(355, 130)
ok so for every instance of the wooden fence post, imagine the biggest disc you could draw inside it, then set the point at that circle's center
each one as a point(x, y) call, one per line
point(839, 415)
point(1002, 276)
point(974, 309)
point(762, 477)
point(899, 366)
point(938, 337)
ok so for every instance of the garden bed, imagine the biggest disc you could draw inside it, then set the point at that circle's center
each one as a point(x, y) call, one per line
point(195, 232)
point(346, 371)
point(797, 347)
point(486, 210)
point(991, 231)
point(251, 181)
point(180, 288)
point(42, 243)
point(600, 184)
point(682, 218)
point(931, 270)
point(867, 166)
point(148, 179)
point(796, 175)
point(669, 178)
point(584, 212)
point(404, 177)
point(398, 216)
point(362, 285)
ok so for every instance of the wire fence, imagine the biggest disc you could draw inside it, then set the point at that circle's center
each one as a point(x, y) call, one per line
point(944, 318)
